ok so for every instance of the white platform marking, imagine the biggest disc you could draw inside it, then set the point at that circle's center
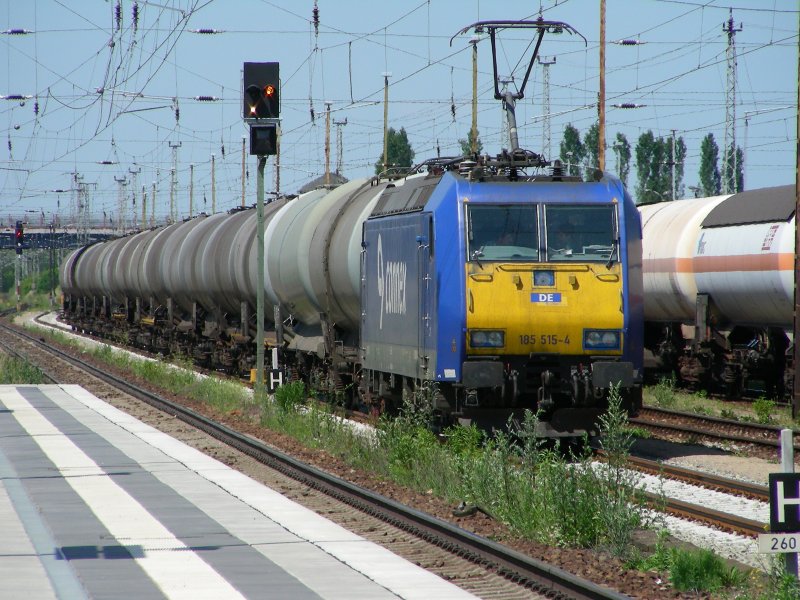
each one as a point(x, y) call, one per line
point(176, 570)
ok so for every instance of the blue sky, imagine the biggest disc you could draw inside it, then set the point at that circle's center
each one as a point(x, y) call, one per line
point(107, 96)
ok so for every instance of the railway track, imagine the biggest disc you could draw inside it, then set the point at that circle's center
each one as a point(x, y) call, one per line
point(761, 440)
point(698, 512)
point(518, 575)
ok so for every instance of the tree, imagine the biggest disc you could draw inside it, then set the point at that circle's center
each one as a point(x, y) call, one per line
point(591, 160)
point(466, 144)
point(679, 156)
point(710, 180)
point(737, 184)
point(654, 158)
point(399, 151)
point(645, 150)
point(623, 151)
point(572, 150)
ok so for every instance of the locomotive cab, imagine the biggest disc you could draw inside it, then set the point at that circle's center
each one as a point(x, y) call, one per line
point(546, 285)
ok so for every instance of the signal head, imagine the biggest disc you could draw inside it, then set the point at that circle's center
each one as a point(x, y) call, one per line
point(261, 90)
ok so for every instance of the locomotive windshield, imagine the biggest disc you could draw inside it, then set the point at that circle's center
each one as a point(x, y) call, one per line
point(581, 233)
point(502, 232)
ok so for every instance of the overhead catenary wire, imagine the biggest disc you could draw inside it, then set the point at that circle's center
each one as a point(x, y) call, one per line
point(416, 120)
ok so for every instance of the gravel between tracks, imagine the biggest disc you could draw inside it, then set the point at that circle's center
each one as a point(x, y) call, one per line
point(596, 566)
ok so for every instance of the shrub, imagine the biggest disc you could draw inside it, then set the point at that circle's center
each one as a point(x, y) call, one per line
point(763, 408)
point(664, 392)
point(702, 571)
point(290, 395)
point(464, 441)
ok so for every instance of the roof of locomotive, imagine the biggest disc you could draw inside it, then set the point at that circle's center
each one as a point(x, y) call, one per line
point(416, 190)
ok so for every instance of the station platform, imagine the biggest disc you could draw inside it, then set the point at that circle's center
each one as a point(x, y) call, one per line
point(96, 504)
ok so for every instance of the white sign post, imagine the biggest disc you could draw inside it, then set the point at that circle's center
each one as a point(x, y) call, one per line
point(784, 508)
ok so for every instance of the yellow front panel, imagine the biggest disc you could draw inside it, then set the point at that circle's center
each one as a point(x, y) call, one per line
point(543, 319)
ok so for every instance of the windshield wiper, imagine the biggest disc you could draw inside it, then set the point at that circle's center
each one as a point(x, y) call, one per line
point(476, 255)
point(614, 246)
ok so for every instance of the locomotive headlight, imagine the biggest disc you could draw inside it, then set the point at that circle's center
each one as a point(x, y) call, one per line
point(543, 278)
point(482, 338)
point(602, 339)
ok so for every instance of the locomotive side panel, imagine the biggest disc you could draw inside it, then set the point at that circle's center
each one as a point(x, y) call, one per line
point(395, 264)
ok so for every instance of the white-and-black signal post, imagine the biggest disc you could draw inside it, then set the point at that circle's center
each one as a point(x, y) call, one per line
point(784, 509)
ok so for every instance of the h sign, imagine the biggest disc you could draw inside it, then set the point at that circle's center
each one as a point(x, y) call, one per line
point(784, 502)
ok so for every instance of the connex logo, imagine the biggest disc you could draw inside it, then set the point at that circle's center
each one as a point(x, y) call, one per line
point(391, 285)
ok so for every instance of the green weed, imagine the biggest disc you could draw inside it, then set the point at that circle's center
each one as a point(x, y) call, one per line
point(763, 408)
point(290, 395)
point(17, 371)
point(702, 571)
point(664, 392)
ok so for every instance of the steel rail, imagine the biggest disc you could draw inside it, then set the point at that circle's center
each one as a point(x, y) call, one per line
point(736, 486)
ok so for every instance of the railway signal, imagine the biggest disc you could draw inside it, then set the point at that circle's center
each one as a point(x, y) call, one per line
point(261, 91)
point(19, 237)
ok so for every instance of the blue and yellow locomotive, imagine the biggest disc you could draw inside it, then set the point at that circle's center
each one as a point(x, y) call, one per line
point(508, 293)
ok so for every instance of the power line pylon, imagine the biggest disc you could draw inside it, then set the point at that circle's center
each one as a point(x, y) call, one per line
point(546, 139)
point(339, 145)
point(122, 182)
point(729, 166)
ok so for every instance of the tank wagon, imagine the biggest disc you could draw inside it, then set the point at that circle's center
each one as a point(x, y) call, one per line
point(494, 289)
point(718, 282)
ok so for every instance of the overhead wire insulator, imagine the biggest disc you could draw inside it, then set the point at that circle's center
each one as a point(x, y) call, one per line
point(118, 14)
point(135, 17)
point(36, 108)
point(315, 18)
point(17, 31)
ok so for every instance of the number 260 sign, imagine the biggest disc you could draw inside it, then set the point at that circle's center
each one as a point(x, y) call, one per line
point(784, 492)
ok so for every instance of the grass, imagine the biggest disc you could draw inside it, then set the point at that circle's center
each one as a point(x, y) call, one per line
point(511, 475)
point(695, 570)
point(702, 571)
point(665, 395)
point(175, 376)
point(16, 371)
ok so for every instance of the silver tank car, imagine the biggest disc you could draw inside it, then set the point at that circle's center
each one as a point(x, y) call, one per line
point(718, 288)
point(164, 279)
